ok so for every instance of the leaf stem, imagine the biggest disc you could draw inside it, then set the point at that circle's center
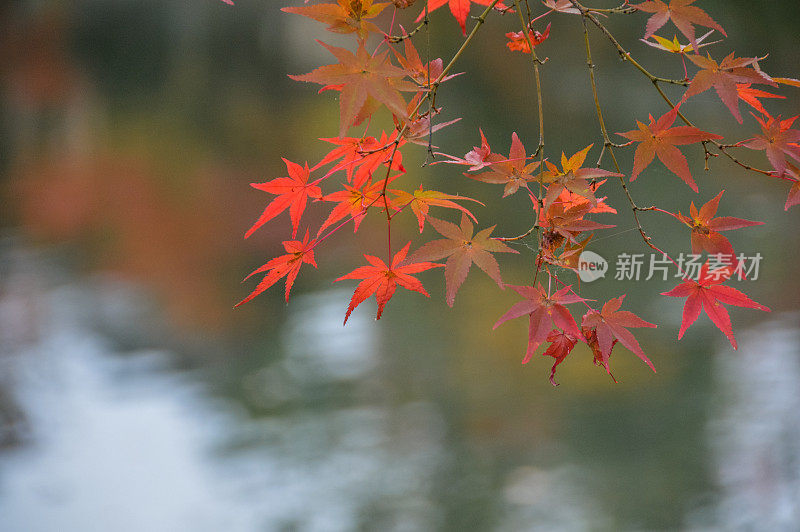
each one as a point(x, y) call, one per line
point(607, 144)
point(655, 80)
point(430, 96)
point(540, 147)
point(394, 39)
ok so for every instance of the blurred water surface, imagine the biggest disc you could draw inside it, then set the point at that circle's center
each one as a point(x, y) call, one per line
point(132, 397)
point(100, 434)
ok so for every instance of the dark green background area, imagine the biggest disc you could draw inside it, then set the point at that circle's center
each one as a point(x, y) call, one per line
point(131, 133)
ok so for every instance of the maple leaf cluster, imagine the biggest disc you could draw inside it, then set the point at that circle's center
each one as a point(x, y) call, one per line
point(363, 175)
point(365, 165)
point(732, 79)
point(550, 321)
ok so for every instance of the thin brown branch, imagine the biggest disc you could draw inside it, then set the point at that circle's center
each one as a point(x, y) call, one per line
point(394, 39)
point(624, 54)
point(540, 147)
point(655, 81)
point(518, 237)
point(430, 96)
point(607, 144)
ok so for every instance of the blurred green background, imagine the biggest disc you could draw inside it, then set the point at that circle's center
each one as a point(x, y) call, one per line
point(133, 397)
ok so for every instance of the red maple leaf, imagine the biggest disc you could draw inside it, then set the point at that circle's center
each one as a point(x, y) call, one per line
point(355, 202)
point(561, 345)
point(360, 157)
point(569, 199)
point(459, 9)
point(709, 294)
point(361, 76)
point(463, 248)
point(794, 196)
point(590, 337)
point(351, 152)
point(659, 139)
point(419, 127)
point(477, 159)
point(751, 97)
point(297, 253)
point(683, 15)
point(705, 228)
point(794, 193)
point(511, 172)
point(725, 78)
point(610, 325)
point(546, 312)
point(382, 280)
point(293, 193)
point(778, 140)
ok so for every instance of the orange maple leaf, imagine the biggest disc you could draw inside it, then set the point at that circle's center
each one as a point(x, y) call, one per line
point(724, 77)
point(570, 199)
point(345, 16)
point(518, 42)
point(459, 9)
point(751, 97)
point(422, 200)
point(572, 177)
point(361, 76)
point(293, 193)
point(705, 226)
point(360, 157)
point(568, 222)
point(659, 139)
